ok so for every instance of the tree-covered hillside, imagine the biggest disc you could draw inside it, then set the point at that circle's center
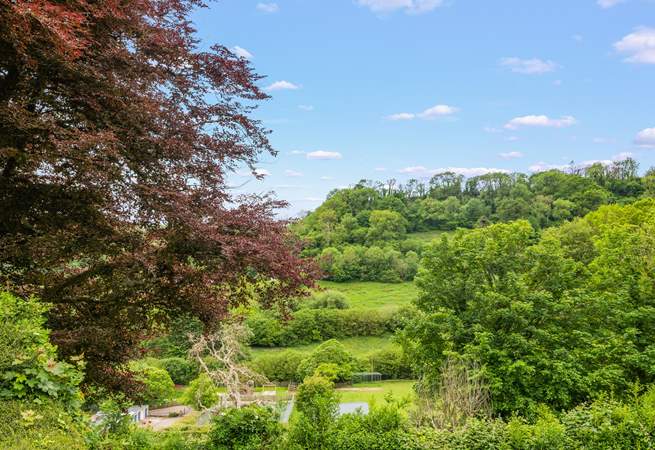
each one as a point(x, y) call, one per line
point(365, 232)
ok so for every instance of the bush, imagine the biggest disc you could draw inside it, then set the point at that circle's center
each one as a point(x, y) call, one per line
point(281, 366)
point(329, 352)
point(391, 363)
point(159, 388)
point(329, 300)
point(174, 342)
point(201, 393)
point(181, 370)
point(316, 406)
point(43, 425)
point(317, 325)
point(29, 369)
point(250, 428)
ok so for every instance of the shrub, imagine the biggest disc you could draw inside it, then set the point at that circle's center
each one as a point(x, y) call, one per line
point(201, 393)
point(329, 300)
point(391, 363)
point(329, 352)
point(250, 428)
point(181, 370)
point(159, 388)
point(175, 341)
point(43, 425)
point(281, 366)
point(316, 406)
point(29, 369)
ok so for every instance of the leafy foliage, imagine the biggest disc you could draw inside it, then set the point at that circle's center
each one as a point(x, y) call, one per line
point(330, 352)
point(201, 392)
point(558, 319)
point(116, 207)
point(360, 233)
point(29, 369)
point(249, 428)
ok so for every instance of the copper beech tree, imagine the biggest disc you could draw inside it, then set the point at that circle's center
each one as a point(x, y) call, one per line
point(117, 133)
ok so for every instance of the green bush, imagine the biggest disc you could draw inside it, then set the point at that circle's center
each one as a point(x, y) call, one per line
point(250, 428)
point(317, 325)
point(159, 388)
point(40, 425)
point(181, 370)
point(174, 339)
point(316, 408)
point(281, 366)
point(201, 393)
point(29, 369)
point(329, 352)
point(391, 363)
point(328, 300)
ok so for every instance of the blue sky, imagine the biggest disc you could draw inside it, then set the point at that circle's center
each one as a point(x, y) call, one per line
point(384, 89)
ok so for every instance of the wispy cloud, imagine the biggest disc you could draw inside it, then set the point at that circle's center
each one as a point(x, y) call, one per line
point(322, 154)
point(542, 166)
point(533, 66)
point(292, 173)
point(409, 6)
point(430, 113)
point(639, 46)
point(306, 107)
point(297, 152)
point(511, 155)
point(466, 171)
point(242, 52)
point(262, 172)
point(605, 4)
point(282, 85)
point(646, 138)
point(268, 8)
point(540, 121)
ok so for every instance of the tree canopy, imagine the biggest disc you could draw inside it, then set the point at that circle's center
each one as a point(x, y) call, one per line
point(559, 317)
point(117, 133)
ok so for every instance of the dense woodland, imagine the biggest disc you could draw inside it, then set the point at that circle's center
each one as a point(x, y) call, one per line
point(365, 232)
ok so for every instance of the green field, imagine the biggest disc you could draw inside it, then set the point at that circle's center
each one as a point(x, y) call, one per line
point(374, 393)
point(372, 295)
point(359, 346)
point(427, 236)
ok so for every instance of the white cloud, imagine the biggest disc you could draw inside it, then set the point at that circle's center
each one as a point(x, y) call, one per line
point(306, 107)
point(430, 113)
point(534, 66)
point(438, 111)
point(268, 8)
point(511, 155)
point(639, 46)
point(542, 166)
point(292, 173)
point(646, 138)
point(262, 172)
point(401, 116)
point(609, 3)
point(409, 6)
point(241, 52)
point(321, 154)
point(282, 85)
point(326, 178)
point(540, 121)
point(466, 171)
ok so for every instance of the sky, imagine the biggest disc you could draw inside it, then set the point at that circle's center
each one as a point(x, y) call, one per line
point(379, 89)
